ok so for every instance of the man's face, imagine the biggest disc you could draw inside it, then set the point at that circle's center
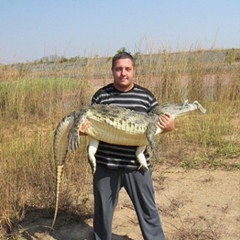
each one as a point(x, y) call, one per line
point(123, 74)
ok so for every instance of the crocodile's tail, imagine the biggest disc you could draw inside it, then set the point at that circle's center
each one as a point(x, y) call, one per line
point(58, 183)
point(60, 149)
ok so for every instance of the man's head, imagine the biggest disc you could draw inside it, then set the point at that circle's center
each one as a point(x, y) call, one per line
point(122, 55)
point(123, 71)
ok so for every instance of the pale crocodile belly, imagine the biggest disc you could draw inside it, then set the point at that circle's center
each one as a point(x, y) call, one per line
point(127, 135)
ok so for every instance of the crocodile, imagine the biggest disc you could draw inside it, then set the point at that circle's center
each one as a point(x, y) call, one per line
point(114, 125)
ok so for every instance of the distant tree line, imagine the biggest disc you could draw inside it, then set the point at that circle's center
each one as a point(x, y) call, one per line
point(231, 56)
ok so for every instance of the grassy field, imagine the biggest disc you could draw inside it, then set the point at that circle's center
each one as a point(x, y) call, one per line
point(35, 96)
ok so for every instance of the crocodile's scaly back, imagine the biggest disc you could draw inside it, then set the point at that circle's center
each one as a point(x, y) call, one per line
point(117, 125)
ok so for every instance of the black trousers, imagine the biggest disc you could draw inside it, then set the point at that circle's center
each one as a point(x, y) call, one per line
point(139, 186)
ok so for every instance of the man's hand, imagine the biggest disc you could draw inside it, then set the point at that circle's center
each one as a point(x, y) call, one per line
point(166, 122)
point(84, 128)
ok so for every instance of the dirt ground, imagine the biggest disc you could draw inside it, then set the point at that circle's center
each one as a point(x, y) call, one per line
point(194, 204)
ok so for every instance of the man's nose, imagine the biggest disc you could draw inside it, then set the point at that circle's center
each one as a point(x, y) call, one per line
point(123, 72)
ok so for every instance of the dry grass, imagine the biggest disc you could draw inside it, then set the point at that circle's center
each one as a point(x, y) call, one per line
point(34, 97)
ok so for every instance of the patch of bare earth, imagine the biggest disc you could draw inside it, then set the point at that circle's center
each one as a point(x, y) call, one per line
point(194, 204)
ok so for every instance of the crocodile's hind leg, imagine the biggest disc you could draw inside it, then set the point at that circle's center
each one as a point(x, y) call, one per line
point(151, 131)
point(141, 158)
point(92, 149)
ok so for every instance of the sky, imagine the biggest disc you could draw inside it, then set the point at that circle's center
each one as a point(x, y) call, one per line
point(32, 29)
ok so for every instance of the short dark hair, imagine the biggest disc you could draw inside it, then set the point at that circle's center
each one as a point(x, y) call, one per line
point(122, 55)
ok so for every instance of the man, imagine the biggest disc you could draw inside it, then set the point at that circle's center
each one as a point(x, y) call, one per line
point(117, 166)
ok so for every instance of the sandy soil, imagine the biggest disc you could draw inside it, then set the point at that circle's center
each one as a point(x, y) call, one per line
point(194, 204)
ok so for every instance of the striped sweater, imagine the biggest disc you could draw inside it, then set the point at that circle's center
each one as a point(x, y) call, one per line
point(138, 99)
